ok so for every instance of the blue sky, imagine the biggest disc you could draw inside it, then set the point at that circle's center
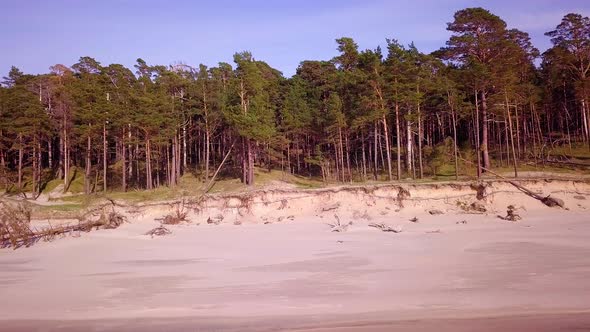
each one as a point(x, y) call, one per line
point(37, 34)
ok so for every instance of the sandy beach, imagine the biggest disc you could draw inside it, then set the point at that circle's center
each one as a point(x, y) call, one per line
point(454, 271)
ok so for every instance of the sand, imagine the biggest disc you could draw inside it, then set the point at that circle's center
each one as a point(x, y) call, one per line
point(438, 274)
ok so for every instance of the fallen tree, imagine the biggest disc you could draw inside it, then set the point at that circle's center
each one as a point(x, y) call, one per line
point(16, 230)
point(547, 200)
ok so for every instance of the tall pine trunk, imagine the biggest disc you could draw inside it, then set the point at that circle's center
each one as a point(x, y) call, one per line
point(124, 165)
point(409, 152)
point(148, 164)
point(511, 136)
point(20, 161)
point(484, 131)
point(398, 142)
point(88, 165)
point(104, 157)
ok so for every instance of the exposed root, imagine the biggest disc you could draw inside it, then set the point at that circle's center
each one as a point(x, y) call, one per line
point(402, 194)
point(339, 227)
point(480, 189)
point(511, 214)
point(385, 228)
point(215, 220)
point(283, 204)
point(176, 218)
point(158, 231)
point(475, 207)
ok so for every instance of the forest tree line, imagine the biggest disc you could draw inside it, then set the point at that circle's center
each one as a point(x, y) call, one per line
point(365, 114)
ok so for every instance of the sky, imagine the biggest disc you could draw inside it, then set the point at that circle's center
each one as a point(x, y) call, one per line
point(35, 35)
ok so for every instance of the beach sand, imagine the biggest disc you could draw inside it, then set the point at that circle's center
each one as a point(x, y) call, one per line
point(449, 272)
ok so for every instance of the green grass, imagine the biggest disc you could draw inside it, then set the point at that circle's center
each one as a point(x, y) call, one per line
point(578, 151)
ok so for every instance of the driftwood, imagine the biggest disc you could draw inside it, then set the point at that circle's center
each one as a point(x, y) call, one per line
point(385, 228)
point(16, 231)
point(159, 231)
point(339, 227)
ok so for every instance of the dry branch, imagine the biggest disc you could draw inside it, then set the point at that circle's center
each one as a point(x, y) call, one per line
point(159, 231)
point(385, 228)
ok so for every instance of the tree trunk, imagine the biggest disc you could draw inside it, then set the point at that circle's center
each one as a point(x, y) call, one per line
point(207, 145)
point(511, 136)
point(250, 164)
point(518, 139)
point(341, 152)
point(385, 129)
point(35, 170)
point(455, 144)
point(364, 156)
point(420, 143)
point(88, 165)
point(148, 164)
point(348, 157)
point(398, 142)
point(484, 132)
point(375, 157)
point(20, 161)
point(477, 135)
point(387, 147)
point(104, 157)
point(50, 154)
point(124, 157)
point(409, 145)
